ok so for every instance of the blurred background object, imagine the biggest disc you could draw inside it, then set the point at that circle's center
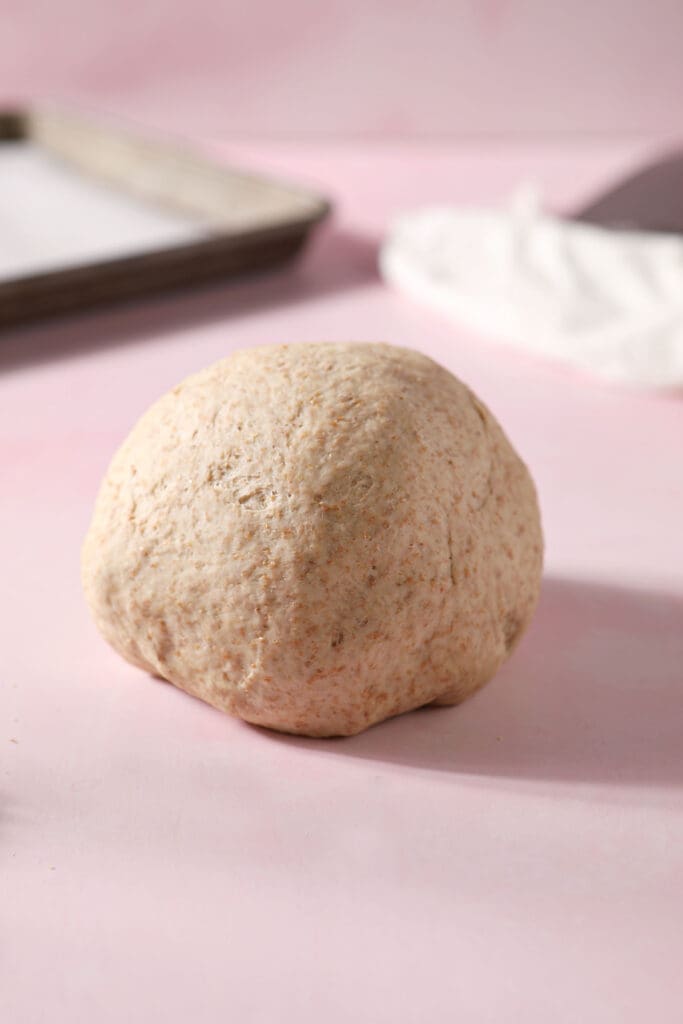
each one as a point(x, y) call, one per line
point(90, 214)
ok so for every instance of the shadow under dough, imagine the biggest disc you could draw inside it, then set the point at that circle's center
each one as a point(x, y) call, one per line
point(594, 693)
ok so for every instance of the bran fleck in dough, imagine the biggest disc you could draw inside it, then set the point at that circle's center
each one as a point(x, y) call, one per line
point(316, 537)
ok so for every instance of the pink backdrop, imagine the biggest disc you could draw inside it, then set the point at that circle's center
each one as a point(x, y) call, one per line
point(517, 860)
point(385, 68)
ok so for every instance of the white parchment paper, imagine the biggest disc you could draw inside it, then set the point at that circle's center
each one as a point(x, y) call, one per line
point(52, 217)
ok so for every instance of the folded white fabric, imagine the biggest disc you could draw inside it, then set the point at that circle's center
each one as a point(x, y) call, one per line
point(609, 302)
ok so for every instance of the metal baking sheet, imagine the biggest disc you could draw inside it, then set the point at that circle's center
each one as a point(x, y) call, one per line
point(91, 213)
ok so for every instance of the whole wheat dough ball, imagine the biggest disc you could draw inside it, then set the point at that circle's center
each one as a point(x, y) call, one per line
point(316, 537)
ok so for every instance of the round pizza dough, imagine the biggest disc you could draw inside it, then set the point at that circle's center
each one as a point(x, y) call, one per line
point(316, 537)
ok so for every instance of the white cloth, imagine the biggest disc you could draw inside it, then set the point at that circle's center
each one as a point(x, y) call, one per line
point(609, 302)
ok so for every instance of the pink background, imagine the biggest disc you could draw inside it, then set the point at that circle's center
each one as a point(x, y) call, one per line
point(371, 67)
point(518, 859)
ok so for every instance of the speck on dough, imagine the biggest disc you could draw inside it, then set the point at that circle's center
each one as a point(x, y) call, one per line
point(316, 537)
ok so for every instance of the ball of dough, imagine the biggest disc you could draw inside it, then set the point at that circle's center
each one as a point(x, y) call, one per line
point(316, 537)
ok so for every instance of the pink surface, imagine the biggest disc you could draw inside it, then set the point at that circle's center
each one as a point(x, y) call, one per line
point(516, 859)
point(387, 68)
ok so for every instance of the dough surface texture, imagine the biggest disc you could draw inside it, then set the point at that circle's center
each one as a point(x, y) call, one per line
point(316, 537)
